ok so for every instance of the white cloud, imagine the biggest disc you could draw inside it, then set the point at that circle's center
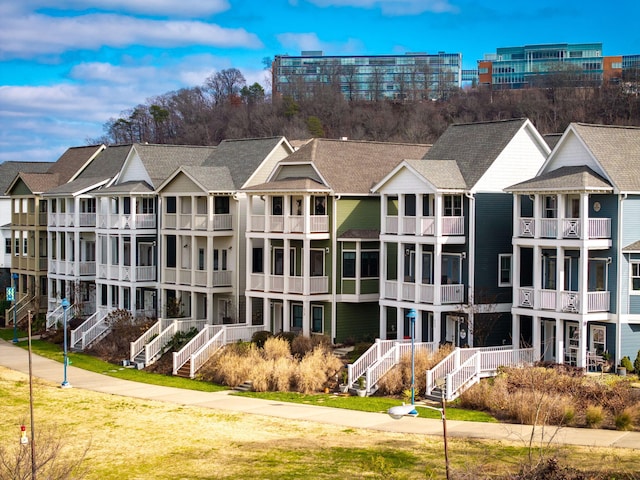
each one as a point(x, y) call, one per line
point(173, 8)
point(31, 35)
point(393, 7)
point(310, 41)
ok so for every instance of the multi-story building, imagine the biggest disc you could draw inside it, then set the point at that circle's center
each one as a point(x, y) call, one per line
point(71, 223)
point(446, 234)
point(29, 224)
point(202, 230)
point(537, 65)
point(313, 239)
point(412, 76)
point(127, 226)
point(576, 249)
point(8, 171)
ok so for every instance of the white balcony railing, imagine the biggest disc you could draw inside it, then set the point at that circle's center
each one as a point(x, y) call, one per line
point(289, 223)
point(569, 302)
point(294, 284)
point(566, 228)
point(452, 293)
point(548, 299)
point(425, 226)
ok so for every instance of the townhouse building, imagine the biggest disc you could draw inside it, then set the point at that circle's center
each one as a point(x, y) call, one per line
point(312, 238)
point(203, 220)
point(29, 236)
point(576, 249)
point(445, 242)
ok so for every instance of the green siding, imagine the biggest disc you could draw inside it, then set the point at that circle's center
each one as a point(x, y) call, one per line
point(369, 285)
point(20, 188)
point(493, 237)
point(358, 213)
point(357, 322)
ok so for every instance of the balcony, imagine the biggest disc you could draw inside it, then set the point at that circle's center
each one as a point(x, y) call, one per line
point(201, 222)
point(564, 228)
point(423, 293)
point(562, 301)
point(127, 222)
point(424, 226)
point(201, 278)
point(289, 223)
point(72, 220)
point(126, 273)
point(288, 284)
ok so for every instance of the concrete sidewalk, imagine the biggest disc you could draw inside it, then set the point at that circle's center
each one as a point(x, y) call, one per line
point(16, 358)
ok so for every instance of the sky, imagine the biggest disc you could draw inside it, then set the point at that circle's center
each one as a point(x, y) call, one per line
point(68, 66)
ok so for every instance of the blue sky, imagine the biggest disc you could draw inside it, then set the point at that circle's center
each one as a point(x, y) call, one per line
point(67, 66)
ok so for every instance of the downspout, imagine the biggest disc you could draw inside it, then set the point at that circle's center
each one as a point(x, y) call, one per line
point(621, 198)
point(334, 266)
point(471, 239)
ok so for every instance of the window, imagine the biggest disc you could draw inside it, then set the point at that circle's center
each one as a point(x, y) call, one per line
point(276, 206)
point(16, 250)
point(451, 269)
point(171, 204)
point(317, 316)
point(25, 245)
point(452, 205)
point(319, 205)
point(410, 205)
point(550, 206)
point(317, 263)
point(348, 264)
point(504, 270)
point(296, 317)
point(200, 258)
point(427, 268)
point(635, 277)
point(369, 262)
point(221, 205)
point(7, 246)
point(147, 205)
point(278, 261)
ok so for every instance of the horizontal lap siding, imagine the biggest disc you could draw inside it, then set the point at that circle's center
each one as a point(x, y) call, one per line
point(357, 321)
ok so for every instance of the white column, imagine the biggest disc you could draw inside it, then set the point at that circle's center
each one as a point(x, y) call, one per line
point(383, 214)
point(536, 334)
point(583, 280)
point(437, 326)
point(582, 345)
point(537, 275)
point(515, 331)
point(400, 323)
point(437, 272)
point(584, 216)
point(400, 270)
point(560, 275)
point(559, 341)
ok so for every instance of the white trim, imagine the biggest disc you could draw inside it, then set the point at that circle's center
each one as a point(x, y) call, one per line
point(500, 257)
point(632, 276)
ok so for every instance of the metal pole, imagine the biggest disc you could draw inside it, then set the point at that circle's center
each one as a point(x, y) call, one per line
point(14, 276)
point(33, 435)
point(413, 360)
point(65, 305)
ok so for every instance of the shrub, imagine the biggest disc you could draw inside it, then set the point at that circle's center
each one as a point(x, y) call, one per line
point(288, 336)
point(260, 337)
point(594, 416)
point(275, 348)
point(392, 383)
point(636, 363)
point(315, 369)
point(300, 346)
point(282, 375)
point(626, 363)
point(624, 420)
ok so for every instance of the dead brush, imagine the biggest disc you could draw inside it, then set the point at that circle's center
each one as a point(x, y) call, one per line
point(275, 348)
point(315, 370)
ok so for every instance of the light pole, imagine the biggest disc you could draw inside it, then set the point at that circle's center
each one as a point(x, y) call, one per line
point(15, 277)
point(65, 305)
point(412, 326)
point(410, 411)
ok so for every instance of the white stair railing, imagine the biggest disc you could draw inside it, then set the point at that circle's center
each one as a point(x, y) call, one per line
point(135, 348)
point(96, 331)
point(57, 316)
point(77, 333)
point(21, 306)
point(184, 355)
point(375, 352)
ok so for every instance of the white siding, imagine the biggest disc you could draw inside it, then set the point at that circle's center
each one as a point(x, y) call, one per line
point(262, 173)
point(181, 184)
point(519, 161)
point(135, 171)
point(572, 152)
point(405, 181)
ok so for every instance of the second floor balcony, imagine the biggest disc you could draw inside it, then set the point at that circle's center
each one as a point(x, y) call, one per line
point(127, 273)
point(424, 226)
point(197, 221)
point(564, 228)
point(289, 284)
point(290, 223)
point(198, 278)
point(72, 268)
point(119, 221)
point(423, 293)
point(71, 220)
point(562, 300)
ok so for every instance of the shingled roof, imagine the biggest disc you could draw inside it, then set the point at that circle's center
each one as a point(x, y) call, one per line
point(162, 160)
point(242, 156)
point(569, 179)
point(442, 174)
point(474, 146)
point(73, 161)
point(9, 170)
point(354, 167)
point(617, 150)
point(212, 179)
point(39, 182)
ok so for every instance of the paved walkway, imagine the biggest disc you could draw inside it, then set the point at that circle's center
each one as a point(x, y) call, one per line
point(16, 358)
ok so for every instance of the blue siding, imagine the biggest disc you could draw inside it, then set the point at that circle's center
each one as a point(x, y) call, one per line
point(493, 236)
point(631, 220)
point(634, 304)
point(630, 340)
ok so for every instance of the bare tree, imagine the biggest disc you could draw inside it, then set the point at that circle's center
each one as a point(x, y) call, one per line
point(225, 84)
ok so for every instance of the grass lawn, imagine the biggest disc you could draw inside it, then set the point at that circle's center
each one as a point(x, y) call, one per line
point(140, 439)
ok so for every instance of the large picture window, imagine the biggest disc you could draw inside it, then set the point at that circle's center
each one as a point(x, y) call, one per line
point(369, 264)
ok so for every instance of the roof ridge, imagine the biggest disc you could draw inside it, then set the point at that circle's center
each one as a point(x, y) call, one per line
point(485, 122)
point(602, 125)
point(373, 142)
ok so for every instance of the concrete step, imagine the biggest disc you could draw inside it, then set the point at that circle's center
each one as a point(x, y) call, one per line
point(245, 386)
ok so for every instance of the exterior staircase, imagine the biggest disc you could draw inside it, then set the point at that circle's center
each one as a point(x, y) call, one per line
point(464, 367)
point(91, 330)
point(20, 310)
point(56, 317)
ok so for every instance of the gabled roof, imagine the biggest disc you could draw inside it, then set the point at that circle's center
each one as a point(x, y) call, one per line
point(9, 170)
point(632, 248)
point(162, 160)
point(616, 149)
point(244, 156)
point(210, 179)
point(37, 183)
point(126, 187)
point(442, 174)
point(565, 179)
point(353, 167)
point(76, 187)
point(290, 184)
point(73, 161)
point(475, 146)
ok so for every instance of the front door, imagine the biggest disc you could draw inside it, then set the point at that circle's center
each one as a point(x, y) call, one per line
point(549, 341)
point(277, 317)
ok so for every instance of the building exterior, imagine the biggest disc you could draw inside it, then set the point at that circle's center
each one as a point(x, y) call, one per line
point(412, 76)
point(313, 239)
point(29, 224)
point(8, 171)
point(71, 226)
point(202, 230)
point(534, 65)
point(576, 282)
point(446, 234)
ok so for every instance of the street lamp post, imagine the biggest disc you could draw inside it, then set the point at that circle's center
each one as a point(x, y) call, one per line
point(65, 305)
point(412, 320)
point(400, 411)
point(15, 277)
